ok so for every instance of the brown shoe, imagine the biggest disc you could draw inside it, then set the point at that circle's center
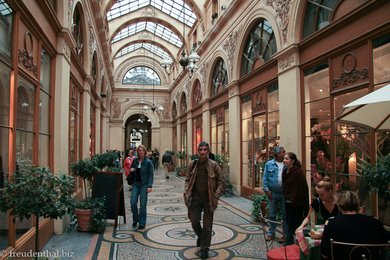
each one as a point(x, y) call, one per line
point(269, 238)
point(281, 240)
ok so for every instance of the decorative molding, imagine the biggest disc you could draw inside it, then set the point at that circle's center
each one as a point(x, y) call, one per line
point(233, 91)
point(92, 42)
point(230, 46)
point(145, 35)
point(203, 72)
point(282, 8)
point(350, 72)
point(149, 11)
point(286, 63)
point(116, 108)
point(70, 5)
point(66, 50)
point(25, 56)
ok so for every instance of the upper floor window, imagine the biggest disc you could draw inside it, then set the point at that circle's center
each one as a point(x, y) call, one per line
point(197, 94)
point(77, 30)
point(318, 15)
point(220, 79)
point(141, 75)
point(259, 47)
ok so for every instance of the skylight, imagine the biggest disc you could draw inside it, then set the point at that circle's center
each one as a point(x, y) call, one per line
point(173, 8)
point(141, 75)
point(152, 48)
point(4, 8)
point(157, 29)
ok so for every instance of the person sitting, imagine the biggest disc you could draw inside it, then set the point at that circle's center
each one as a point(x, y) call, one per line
point(324, 206)
point(351, 227)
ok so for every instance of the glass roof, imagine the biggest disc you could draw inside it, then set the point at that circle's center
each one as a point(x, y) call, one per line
point(157, 29)
point(4, 8)
point(141, 75)
point(173, 8)
point(152, 48)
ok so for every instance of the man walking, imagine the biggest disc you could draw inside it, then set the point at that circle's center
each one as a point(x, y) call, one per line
point(167, 161)
point(203, 186)
point(272, 185)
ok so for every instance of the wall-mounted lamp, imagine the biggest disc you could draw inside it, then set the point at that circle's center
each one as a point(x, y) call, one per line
point(223, 7)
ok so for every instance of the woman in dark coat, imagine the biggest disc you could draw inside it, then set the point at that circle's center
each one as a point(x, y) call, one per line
point(296, 193)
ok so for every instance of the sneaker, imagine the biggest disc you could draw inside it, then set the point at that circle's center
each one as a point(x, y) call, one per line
point(141, 227)
point(281, 240)
point(269, 238)
point(135, 224)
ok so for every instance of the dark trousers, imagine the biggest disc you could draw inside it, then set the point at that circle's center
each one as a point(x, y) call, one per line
point(204, 233)
point(294, 218)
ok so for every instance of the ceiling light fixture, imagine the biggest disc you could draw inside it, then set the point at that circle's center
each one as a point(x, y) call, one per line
point(193, 58)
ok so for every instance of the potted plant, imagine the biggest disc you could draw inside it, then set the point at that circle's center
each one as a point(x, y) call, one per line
point(223, 163)
point(36, 191)
point(89, 211)
point(105, 161)
point(260, 206)
point(182, 169)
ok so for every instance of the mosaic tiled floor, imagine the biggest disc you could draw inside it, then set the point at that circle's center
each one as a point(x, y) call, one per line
point(168, 233)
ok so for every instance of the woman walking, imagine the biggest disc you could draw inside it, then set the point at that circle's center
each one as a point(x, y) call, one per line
point(142, 168)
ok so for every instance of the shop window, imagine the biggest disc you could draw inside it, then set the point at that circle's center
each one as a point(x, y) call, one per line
point(5, 73)
point(44, 109)
point(6, 23)
point(381, 57)
point(259, 47)
point(220, 131)
point(318, 15)
point(260, 132)
point(92, 130)
point(220, 78)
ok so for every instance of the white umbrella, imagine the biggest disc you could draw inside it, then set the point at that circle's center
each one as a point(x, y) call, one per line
point(372, 110)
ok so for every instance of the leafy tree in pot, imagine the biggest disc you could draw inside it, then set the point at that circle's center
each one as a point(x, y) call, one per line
point(36, 191)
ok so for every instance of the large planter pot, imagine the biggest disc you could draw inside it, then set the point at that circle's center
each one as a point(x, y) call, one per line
point(83, 219)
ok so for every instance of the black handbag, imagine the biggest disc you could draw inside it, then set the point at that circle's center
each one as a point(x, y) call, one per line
point(130, 179)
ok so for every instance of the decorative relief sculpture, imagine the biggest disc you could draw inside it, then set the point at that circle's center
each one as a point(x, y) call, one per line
point(282, 7)
point(149, 11)
point(286, 63)
point(116, 108)
point(203, 72)
point(92, 42)
point(230, 46)
point(70, 5)
point(25, 56)
point(350, 72)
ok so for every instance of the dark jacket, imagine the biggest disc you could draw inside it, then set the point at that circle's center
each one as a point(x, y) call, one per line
point(146, 171)
point(295, 188)
point(167, 158)
point(216, 184)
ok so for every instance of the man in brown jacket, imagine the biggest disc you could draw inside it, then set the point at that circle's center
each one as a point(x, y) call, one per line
point(203, 186)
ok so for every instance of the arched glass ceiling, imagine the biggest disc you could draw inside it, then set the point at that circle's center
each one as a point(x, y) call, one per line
point(141, 75)
point(157, 29)
point(4, 8)
point(173, 8)
point(152, 48)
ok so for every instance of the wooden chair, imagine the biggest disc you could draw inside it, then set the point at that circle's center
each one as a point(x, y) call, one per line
point(274, 250)
point(360, 251)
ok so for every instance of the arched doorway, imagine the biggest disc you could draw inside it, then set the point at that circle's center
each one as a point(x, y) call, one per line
point(137, 131)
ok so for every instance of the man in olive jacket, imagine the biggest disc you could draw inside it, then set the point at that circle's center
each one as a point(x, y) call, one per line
point(204, 185)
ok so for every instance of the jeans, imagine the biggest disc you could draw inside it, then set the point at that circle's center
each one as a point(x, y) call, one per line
point(139, 191)
point(204, 233)
point(277, 202)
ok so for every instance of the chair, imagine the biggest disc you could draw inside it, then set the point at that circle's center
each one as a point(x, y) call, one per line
point(277, 252)
point(355, 251)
